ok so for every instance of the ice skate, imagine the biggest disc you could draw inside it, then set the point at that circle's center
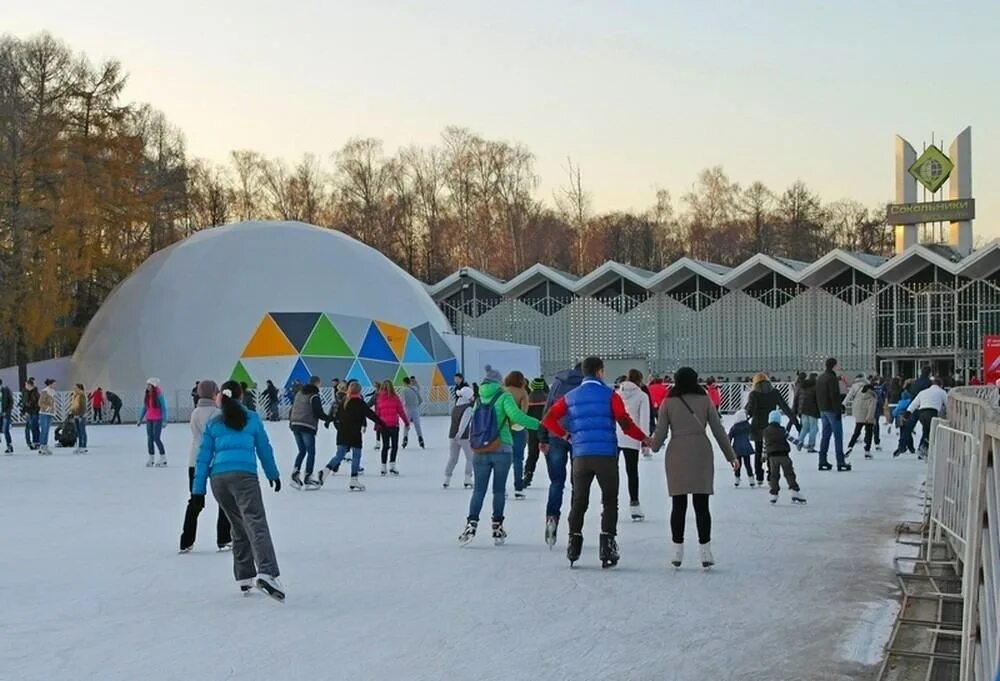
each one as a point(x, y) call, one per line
point(468, 533)
point(826, 466)
point(225, 547)
point(737, 483)
point(551, 529)
point(356, 485)
point(246, 586)
point(528, 475)
point(636, 512)
point(83, 450)
point(406, 441)
point(311, 483)
point(9, 451)
point(678, 555)
point(385, 470)
point(392, 470)
point(520, 496)
point(609, 551)
point(162, 463)
point(296, 480)
point(844, 468)
point(798, 497)
point(325, 474)
point(185, 549)
point(574, 548)
point(774, 498)
point(421, 441)
point(271, 586)
point(447, 482)
point(150, 462)
point(878, 448)
point(896, 453)
point(868, 455)
point(499, 534)
point(707, 560)
point(468, 482)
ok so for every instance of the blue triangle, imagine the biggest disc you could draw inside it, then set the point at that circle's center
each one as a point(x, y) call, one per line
point(357, 373)
point(375, 346)
point(299, 371)
point(414, 352)
point(448, 369)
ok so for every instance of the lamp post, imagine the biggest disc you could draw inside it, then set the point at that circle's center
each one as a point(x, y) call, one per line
point(463, 274)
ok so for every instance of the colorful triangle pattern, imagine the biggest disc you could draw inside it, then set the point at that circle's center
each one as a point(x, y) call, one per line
point(376, 347)
point(269, 341)
point(326, 341)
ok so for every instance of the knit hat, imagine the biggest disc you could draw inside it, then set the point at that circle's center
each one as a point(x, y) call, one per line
point(774, 417)
point(741, 416)
point(492, 375)
point(207, 390)
point(537, 384)
point(155, 382)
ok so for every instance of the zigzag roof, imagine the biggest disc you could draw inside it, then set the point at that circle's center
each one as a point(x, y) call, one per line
point(981, 263)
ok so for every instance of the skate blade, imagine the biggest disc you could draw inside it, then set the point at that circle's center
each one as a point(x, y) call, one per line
point(677, 566)
point(638, 518)
point(462, 543)
point(608, 565)
point(707, 566)
point(183, 551)
point(272, 593)
point(357, 489)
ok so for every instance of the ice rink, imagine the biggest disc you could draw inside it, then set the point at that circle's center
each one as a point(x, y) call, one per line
point(93, 587)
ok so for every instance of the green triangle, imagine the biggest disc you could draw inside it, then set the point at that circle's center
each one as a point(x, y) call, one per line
point(326, 341)
point(400, 375)
point(241, 375)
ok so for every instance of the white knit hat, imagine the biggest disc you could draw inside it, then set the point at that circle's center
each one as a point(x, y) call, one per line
point(155, 382)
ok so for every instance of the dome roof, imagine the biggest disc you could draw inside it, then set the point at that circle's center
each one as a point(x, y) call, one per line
point(251, 294)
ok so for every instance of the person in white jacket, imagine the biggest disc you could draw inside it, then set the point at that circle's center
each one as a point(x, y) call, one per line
point(637, 405)
point(205, 410)
point(458, 435)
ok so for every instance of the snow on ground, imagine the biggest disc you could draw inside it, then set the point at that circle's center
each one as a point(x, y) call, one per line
point(378, 588)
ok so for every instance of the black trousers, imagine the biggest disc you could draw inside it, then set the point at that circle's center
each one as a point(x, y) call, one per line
point(116, 415)
point(585, 469)
point(390, 444)
point(532, 462)
point(926, 416)
point(870, 431)
point(758, 456)
point(702, 516)
point(631, 457)
point(98, 414)
point(223, 531)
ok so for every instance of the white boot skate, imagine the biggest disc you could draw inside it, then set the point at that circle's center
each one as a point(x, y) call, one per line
point(678, 555)
point(356, 485)
point(468, 482)
point(774, 498)
point(447, 482)
point(636, 511)
point(707, 560)
point(150, 462)
point(798, 497)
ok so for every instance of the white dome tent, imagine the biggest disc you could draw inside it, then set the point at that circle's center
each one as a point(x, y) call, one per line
point(265, 300)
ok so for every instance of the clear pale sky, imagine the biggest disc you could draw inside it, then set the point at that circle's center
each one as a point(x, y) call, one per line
point(641, 94)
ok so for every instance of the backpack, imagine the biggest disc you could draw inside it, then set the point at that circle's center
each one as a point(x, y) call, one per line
point(484, 429)
point(66, 434)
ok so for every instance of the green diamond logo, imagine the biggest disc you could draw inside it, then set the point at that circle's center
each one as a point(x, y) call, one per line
point(932, 168)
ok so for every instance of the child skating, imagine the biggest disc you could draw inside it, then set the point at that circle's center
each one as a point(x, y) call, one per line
point(779, 459)
point(739, 435)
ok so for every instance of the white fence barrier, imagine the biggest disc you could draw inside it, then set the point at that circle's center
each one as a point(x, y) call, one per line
point(964, 511)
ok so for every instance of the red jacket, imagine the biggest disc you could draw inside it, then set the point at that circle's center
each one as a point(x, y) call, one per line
point(714, 394)
point(657, 393)
point(390, 409)
point(97, 399)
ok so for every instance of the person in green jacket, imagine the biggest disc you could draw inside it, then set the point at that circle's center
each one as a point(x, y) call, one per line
point(496, 463)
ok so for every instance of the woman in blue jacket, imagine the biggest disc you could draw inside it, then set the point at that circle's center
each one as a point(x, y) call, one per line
point(230, 448)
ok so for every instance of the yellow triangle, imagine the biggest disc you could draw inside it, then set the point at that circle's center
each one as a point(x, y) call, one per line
point(395, 336)
point(269, 341)
point(437, 378)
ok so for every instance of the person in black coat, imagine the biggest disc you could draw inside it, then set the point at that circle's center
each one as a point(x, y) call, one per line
point(763, 400)
point(828, 399)
point(923, 383)
point(350, 422)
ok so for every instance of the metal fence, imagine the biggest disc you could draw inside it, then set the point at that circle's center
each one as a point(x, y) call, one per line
point(964, 512)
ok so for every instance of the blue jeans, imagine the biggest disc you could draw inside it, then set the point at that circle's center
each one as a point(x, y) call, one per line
point(31, 434)
point(44, 423)
point(306, 442)
point(497, 464)
point(832, 425)
point(810, 428)
point(338, 458)
point(5, 428)
point(555, 461)
point(81, 431)
point(153, 431)
point(520, 442)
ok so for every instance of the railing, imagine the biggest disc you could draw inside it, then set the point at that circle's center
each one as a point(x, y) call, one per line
point(964, 512)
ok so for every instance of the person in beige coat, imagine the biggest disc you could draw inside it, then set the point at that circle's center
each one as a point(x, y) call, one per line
point(690, 465)
point(863, 409)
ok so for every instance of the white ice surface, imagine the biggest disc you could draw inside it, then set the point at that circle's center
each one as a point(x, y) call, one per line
point(92, 586)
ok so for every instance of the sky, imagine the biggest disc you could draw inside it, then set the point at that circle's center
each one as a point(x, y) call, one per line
point(642, 94)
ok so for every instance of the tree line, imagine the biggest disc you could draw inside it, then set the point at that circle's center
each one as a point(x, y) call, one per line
point(91, 185)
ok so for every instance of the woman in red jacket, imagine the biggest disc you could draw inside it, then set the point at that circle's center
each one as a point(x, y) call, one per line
point(713, 392)
point(390, 410)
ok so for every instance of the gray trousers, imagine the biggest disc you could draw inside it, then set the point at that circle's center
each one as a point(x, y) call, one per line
point(414, 417)
point(455, 448)
point(239, 498)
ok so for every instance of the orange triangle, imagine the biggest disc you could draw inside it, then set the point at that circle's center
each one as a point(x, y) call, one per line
point(437, 378)
point(269, 341)
point(395, 336)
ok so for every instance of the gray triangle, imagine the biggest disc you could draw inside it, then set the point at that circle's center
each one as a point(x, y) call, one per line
point(423, 334)
point(379, 371)
point(441, 350)
point(351, 329)
point(328, 368)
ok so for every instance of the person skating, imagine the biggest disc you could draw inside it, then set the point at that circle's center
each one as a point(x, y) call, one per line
point(557, 453)
point(46, 412)
point(900, 417)
point(714, 394)
point(588, 415)
point(536, 408)
point(116, 408)
point(29, 410)
point(194, 394)
point(271, 393)
point(637, 405)
point(928, 404)
point(739, 436)
point(515, 385)
point(203, 413)
point(458, 435)
point(922, 383)
point(97, 403)
point(391, 411)
point(230, 448)
point(491, 440)
point(410, 394)
point(685, 414)
point(762, 401)
point(307, 412)
point(864, 408)
point(808, 411)
point(829, 400)
point(154, 414)
point(77, 410)
point(779, 459)
point(6, 412)
point(350, 422)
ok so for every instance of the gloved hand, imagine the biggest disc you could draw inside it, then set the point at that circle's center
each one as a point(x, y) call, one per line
point(275, 484)
point(197, 501)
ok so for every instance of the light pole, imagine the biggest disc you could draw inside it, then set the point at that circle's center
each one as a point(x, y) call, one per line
point(463, 274)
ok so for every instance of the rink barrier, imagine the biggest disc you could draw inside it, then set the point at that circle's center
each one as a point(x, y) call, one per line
point(964, 512)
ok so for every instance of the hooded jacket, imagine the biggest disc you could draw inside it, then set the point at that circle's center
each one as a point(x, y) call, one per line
point(223, 450)
point(564, 382)
point(808, 406)
point(29, 401)
point(390, 410)
point(776, 440)
point(351, 420)
point(461, 414)
point(763, 400)
point(307, 410)
point(637, 405)
point(739, 435)
point(411, 398)
point(204, 412)
point(156, 412)
point(864, 406)
point(506, 410)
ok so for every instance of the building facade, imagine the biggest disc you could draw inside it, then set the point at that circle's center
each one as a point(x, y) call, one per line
point(926, 305)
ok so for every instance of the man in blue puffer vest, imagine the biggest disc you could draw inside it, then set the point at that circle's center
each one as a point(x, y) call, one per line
point(587, 416)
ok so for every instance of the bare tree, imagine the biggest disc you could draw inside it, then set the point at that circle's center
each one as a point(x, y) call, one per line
point(574, 202)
